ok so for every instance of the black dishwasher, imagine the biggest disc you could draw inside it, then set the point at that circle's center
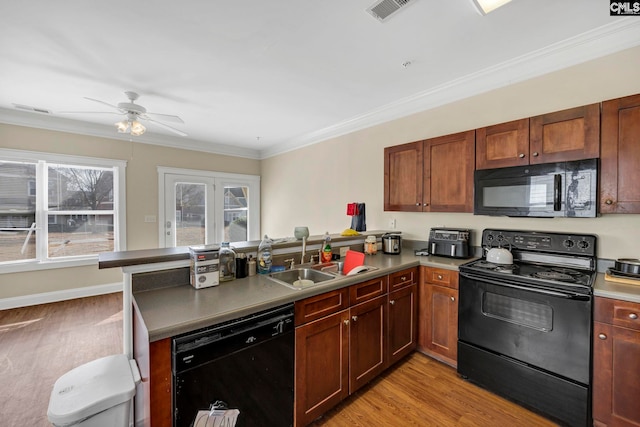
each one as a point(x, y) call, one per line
point(246, 363)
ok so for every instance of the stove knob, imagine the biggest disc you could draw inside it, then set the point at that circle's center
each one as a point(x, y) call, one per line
point(583, 244)
point(568, 243)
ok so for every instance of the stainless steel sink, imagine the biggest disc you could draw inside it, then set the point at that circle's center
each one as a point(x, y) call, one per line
point(298, 278)
point(335, 267)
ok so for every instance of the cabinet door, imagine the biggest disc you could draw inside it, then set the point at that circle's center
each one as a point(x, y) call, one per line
point(438, 323)
point(620, 161)
point(367, 342)
point(572, 134)
point(616, 364)
point(403, 177)
point(322, 366)
point(503, 145)
point(449, 162)
point(403, 322)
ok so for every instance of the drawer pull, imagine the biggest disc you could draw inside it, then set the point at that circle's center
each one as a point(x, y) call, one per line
point(403, 278)
point(453, 299)
point(602, 336)
point(439, 276)
point(633, 316)
point(354, 318)
point(346, 322)
point(392, 301)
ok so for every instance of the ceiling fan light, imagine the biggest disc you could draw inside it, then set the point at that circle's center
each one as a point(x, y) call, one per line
point(137, 128)
point(486, 6)
point(122, 126)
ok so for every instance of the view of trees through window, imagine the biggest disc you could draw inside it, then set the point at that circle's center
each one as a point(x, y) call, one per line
point(75, 217)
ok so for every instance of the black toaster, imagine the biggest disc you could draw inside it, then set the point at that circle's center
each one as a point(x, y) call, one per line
point(450, 242)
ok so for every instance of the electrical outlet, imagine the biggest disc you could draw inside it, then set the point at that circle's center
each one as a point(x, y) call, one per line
point(343, 251)
point(392, 223)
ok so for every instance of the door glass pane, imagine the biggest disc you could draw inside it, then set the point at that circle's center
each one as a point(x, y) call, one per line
point(73, 235)
point(17, 211)
point(191, 213)
point(235, 214)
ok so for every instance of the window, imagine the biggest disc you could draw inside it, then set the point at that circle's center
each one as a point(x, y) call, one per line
point(58, 210)
point(198, 207)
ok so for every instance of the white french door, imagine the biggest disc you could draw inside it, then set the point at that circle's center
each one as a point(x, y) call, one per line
point(202, 207)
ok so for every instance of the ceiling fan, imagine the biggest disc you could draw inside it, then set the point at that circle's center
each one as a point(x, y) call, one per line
point(134, 113)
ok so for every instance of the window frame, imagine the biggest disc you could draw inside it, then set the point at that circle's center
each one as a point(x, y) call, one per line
point(220, 179)
point(42, 160)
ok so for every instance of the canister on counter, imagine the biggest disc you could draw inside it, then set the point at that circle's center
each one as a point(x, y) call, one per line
point(241, 265)
point(371, 245)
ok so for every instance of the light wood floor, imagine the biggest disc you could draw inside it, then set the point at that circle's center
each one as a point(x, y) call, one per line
point(39, 344)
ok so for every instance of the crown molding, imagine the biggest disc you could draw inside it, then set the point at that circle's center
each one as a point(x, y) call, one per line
point(622, 34)
point(44, 121)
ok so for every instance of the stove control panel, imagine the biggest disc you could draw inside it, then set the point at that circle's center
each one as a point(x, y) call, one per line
point(578, 244)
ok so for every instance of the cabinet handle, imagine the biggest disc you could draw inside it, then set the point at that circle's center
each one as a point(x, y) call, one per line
point(608, 202)
point(521, 155)
point(354, 318)
point(439, 276)
point(403, 278)
point(392, 302)
point(633, 316)
point(453, 299)
point(346, 322)
point(425, 204)
point(535, 154)
point(602, 336)
point(418, 204)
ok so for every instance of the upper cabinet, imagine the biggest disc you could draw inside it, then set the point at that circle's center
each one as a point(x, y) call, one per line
point(620, 160)
point(434, 175)
point(503, 145)
point(566, 135)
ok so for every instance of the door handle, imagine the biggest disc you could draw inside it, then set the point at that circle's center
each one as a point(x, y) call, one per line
point(557, 184)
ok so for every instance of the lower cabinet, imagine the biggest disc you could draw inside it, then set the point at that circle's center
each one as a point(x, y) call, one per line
point(438, 314)
point(346, 338)
point(616, 363)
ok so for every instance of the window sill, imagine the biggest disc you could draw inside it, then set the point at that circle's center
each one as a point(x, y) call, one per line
point(21, 267)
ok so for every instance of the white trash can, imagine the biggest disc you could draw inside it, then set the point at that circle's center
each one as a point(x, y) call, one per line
point(98, 393)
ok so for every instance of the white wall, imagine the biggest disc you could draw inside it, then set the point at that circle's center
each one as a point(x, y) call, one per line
point(311, 186)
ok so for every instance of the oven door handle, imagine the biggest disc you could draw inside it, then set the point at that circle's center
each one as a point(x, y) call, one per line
point(566, 295)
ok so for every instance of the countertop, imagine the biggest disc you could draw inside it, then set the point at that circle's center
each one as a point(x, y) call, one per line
point(174, 310)
point(606, 289)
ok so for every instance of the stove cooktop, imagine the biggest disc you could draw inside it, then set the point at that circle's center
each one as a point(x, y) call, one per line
point(545, 275)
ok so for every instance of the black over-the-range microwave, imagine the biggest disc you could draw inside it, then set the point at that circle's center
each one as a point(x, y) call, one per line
point(566, 189)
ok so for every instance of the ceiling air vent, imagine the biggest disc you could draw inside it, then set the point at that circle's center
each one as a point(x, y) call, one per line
point(384, 9)
point(32, 109)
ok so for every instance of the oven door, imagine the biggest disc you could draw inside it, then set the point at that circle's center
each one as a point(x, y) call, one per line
point(550, 330)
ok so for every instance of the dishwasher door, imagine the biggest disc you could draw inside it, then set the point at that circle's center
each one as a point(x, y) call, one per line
point(247, 363)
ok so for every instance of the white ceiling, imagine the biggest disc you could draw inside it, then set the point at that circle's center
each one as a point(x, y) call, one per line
point(255, 78)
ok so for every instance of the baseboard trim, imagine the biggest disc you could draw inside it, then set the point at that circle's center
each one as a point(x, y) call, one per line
point(67, 294)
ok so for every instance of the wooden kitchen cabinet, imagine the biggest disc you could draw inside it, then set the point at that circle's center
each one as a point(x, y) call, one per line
point(402, 315)
point(322, 366)
point(620, 159)
point(503, 145)
point(434, 175)
point(367, 341)
point(616, 363)
point(438, 314)
point(572, 134)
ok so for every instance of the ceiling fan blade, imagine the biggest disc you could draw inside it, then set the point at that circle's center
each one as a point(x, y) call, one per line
point(172, 129)
point(89, 112)
point(165, 117)
point(104, 103)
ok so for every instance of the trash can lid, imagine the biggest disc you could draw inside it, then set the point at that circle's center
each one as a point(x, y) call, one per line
point(90, 389)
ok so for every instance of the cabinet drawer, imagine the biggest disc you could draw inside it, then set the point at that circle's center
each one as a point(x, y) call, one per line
point(321, 305)
point(402, 278)
point(368, 290)
point(440, 276)
point(617, 312)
